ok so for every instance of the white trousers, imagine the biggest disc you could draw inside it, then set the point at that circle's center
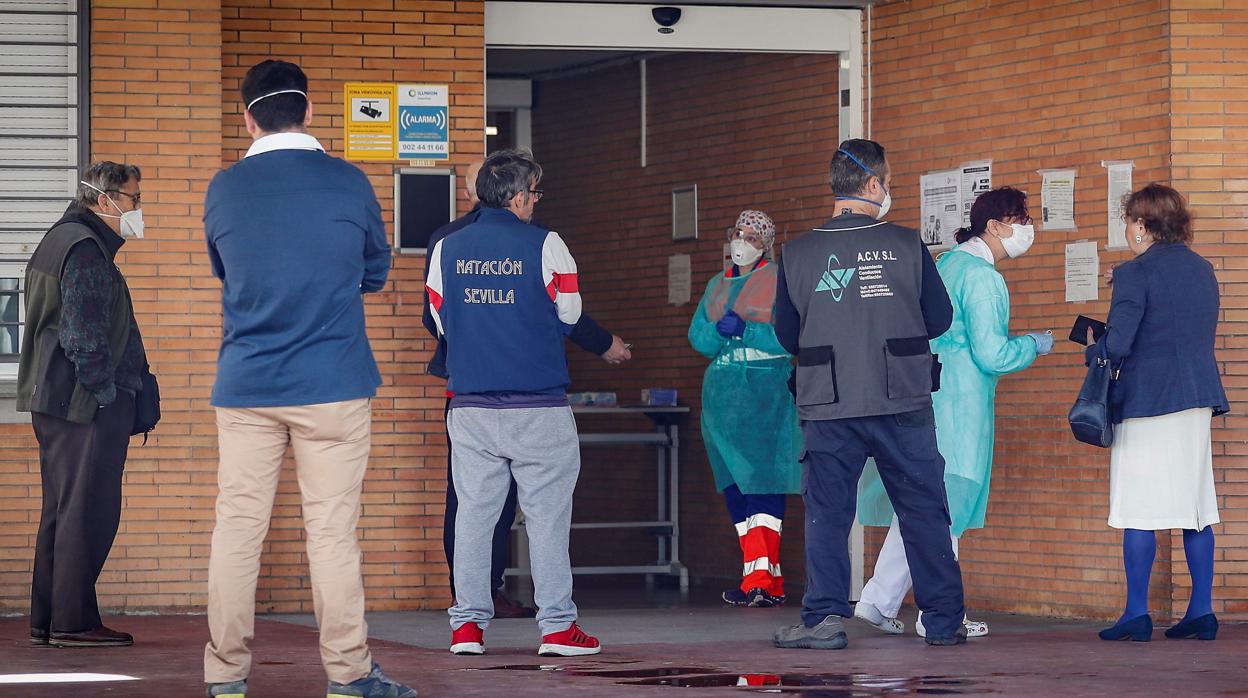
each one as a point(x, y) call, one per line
point(891, 581)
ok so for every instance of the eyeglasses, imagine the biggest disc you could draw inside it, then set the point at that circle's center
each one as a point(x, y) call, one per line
point(136, 198)
point(751, 237)
point(537, 193)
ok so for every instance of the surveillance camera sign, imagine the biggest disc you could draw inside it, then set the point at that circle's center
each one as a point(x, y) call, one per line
point(424, 122)
point(370, 120)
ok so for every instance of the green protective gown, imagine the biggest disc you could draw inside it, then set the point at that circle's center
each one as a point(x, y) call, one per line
point(976, 351)
point(749, 419)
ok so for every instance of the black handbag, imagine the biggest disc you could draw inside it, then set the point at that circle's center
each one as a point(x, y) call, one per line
point(1090, 420)
point(146, 406)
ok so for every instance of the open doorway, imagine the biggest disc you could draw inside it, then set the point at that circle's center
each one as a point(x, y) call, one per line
point(618, 127)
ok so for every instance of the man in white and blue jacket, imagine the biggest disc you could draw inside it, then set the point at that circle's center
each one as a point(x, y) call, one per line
point(504, 294)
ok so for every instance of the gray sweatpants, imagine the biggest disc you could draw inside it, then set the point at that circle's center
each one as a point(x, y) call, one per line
point(539, 448)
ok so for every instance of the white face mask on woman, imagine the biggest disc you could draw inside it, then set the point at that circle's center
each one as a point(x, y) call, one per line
point(1017, 244)
point(743, 253)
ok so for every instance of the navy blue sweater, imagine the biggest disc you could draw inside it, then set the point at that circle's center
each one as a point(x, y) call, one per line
point(296, 237)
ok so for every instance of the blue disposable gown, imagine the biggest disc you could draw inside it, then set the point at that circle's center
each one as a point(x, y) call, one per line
point(749, 419)
point(976, 351)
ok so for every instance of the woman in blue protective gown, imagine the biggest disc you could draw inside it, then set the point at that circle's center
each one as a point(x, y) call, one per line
point(976, 351)
point(749, 420)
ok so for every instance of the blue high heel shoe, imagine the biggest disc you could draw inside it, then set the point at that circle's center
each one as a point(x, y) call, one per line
point(1139, 629)
point(1204, 628)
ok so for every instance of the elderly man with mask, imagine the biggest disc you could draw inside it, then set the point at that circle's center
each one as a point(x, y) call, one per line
point(747, 383)
point(82, 363)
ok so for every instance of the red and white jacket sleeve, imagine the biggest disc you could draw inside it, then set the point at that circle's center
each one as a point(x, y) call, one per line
point(433, 286)
point(559, 275)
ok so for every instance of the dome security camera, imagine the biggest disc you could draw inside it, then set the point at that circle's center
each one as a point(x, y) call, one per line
point(665, 17)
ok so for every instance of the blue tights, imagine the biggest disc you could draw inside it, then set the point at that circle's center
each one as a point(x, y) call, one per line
point(1139, 548)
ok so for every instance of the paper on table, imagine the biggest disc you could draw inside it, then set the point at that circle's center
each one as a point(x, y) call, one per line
point(976, 179)
point(1082, 264)
point(679, 279)
point(1057, 199)
point(939, 207)
point(1119, 187)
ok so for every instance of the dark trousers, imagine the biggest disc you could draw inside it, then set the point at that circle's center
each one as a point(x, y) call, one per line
point(80, 466)
point(904, 447)
point(499, 553)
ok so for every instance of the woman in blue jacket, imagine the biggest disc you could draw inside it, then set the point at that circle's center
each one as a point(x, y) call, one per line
point(749, 420)
point(1162, 325)
point(976, 351)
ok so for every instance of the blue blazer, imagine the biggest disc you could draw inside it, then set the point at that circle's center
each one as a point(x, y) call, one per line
point(1162, 323)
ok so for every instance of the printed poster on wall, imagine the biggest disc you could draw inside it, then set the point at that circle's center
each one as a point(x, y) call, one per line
point(939, 207)
point(424, 122)
point(976, 179)
point(1057, 199)
point(369, 120)
point(1082, 264)
point(1119, 186)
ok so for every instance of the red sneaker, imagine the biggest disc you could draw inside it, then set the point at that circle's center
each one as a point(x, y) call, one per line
point(468, 639)
point(572, 642)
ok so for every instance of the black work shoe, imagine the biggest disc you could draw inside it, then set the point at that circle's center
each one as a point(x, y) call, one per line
point(96, 637)
point(958, 638)
point(38, 637)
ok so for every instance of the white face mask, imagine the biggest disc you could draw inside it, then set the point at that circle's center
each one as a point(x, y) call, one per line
point(886, 204)
point(743, 253)
point(1017, 244)
point(131, 221)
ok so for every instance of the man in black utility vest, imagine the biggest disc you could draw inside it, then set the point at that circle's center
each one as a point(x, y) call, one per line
point(857, 302)
point(81, 365)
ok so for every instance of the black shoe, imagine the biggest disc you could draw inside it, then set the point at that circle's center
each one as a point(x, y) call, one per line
point(38, 637)
point(506, 608)
point(96, 637)
point(958, 638)
point(761, 599)
point(1203, 628)
point(735, 597)
point(1138, 629)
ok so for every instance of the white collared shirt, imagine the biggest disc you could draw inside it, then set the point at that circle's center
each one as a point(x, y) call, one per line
point(979, 248)
point(288, 140)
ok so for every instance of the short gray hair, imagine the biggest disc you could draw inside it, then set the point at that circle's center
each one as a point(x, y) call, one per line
point(505, 174)
point(106, 176)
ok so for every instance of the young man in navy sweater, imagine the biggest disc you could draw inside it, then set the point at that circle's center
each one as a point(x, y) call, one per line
point(296, 238)
point(504, 294)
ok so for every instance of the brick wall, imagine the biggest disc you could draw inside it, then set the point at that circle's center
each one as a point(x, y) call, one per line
point(165, 78)
point(752, 131)
point(1209, 143)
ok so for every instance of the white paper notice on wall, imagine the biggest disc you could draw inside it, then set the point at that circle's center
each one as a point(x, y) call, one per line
point(1119, 186)
point(976, 179)
point(1057, 199)
point(1082, 265)
point(939, 208)
point(679, 279)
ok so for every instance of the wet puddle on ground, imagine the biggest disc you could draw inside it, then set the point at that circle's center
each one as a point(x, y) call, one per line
point(808, 685)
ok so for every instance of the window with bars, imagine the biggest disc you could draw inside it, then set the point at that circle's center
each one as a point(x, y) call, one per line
point(43, 138)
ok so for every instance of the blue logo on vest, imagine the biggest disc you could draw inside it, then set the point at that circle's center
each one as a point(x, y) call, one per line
point(835, 280)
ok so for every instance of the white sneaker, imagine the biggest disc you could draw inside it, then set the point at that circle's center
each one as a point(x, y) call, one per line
point(974, 628)
point(872, 616)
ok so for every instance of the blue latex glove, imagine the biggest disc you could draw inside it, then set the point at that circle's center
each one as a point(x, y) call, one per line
point(731, 325)
point(1044, 342)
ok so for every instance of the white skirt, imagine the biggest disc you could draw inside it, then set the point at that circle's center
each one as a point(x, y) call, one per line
point(1161, 472)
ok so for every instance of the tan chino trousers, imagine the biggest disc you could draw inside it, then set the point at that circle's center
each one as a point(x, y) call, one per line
point(331, 443)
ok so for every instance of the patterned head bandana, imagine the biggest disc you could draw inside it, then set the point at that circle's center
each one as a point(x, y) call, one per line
point(760, 223)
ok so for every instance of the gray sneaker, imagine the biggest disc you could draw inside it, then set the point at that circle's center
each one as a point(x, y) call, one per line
point(231, 689)
point(828, 635)
point(375, 685)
